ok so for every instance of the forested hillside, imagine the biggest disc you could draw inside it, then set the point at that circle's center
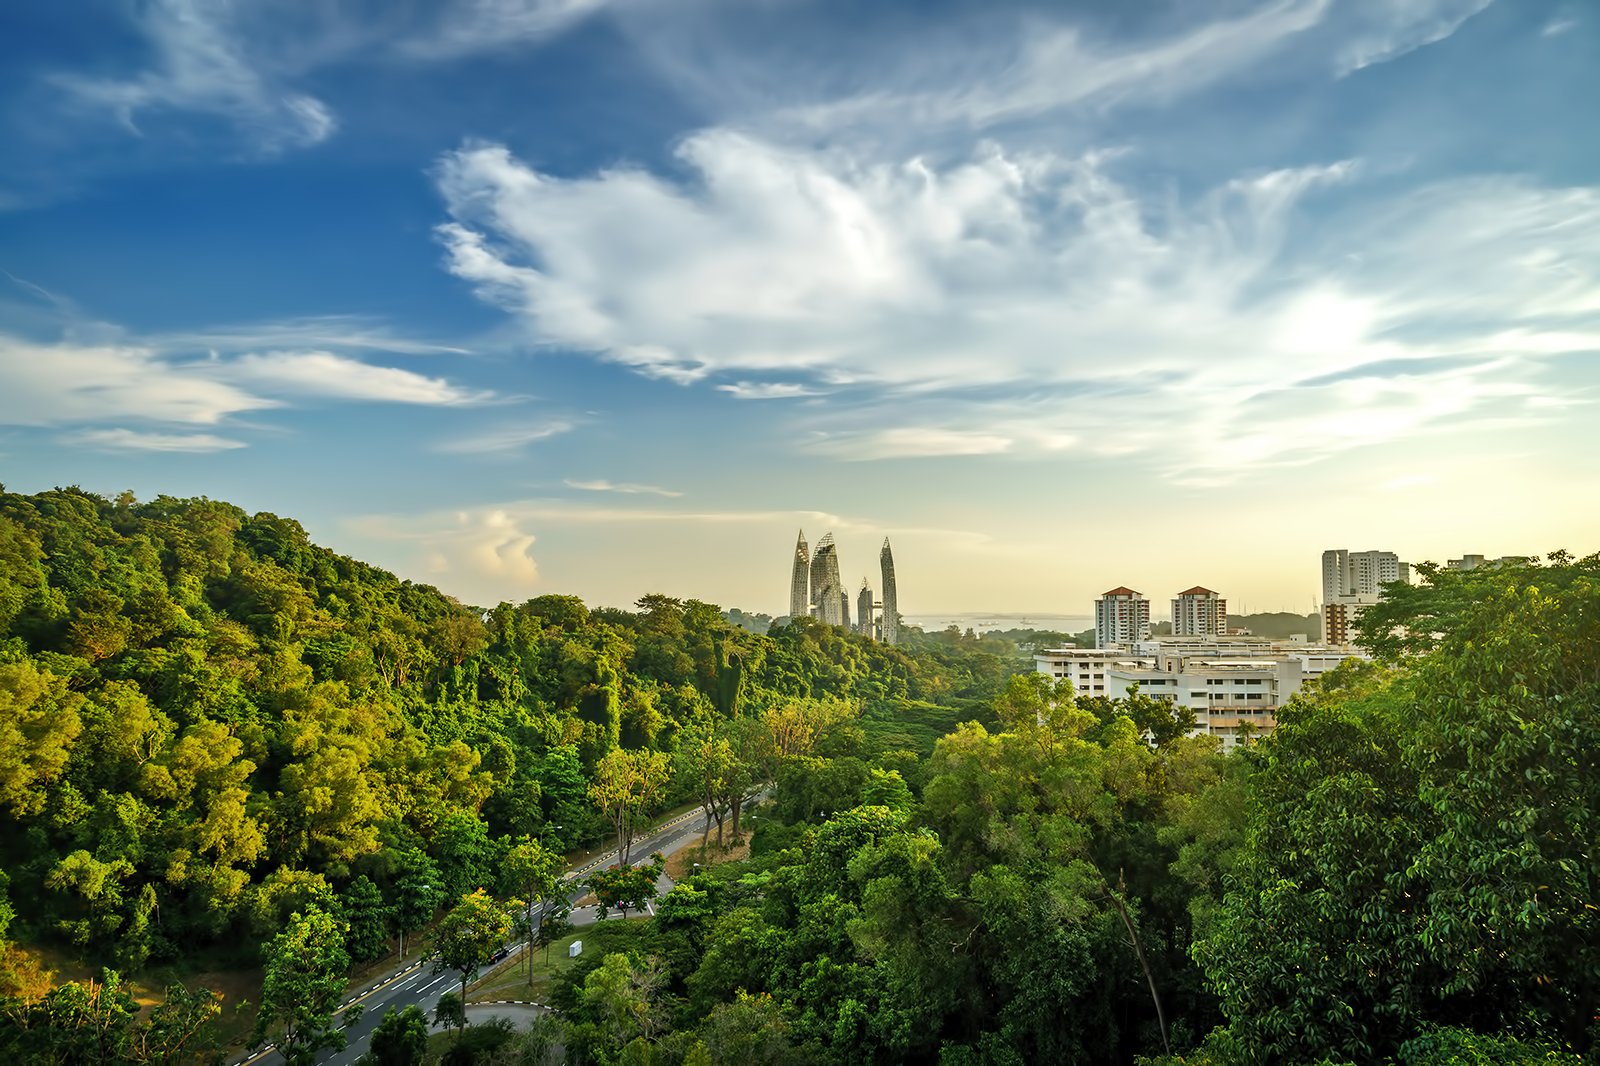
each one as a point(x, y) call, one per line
point(207, 722)
point(216, 736)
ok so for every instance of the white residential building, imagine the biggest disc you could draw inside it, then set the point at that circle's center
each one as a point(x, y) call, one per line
point(1354, 574)
point(1472, 562)
point(1352, 582)
point(1121, 616)
point(1199, 612)
point(1085, 668)
point(1233, 685)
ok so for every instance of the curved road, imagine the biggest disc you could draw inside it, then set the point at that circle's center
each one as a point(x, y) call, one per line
point(418, 984)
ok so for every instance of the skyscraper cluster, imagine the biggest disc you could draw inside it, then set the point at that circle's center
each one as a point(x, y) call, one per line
point(816, 591)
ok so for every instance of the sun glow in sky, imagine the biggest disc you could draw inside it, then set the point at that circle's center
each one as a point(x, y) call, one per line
point(607, 297)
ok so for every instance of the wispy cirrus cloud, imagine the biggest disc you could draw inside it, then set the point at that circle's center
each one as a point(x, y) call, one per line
point(72, 380)
point(242, 63)
point(339, 377)
point(768, 390)
point(504, 439)
point(626, 488)
point(97, 376)
point(1382, 30)
point(202, 64)
point(493, 25)
point(325, 332)
point(120, 440)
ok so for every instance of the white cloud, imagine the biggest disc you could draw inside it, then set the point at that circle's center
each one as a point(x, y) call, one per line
point(97, 374)
point(1023, 303)
point(48, 384)
point(1048, 65)
point(240, 62)
point(326, 374)
point(116, 440)
point(472, 551)
point(202, 65)
point(1557, 26)
point(767, 390)
point(484, 25)
point(626, 488)
point(503, 439)
point(915, 442)
point(314, 332)
point(1384, 30)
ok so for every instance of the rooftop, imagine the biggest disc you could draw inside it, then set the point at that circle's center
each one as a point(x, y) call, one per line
point(1121, 590)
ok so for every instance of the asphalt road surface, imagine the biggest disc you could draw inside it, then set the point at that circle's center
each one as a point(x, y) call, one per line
point(418, 984)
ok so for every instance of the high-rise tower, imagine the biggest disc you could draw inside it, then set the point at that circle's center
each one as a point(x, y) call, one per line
point(1121, 616)
point(827, 591)
point(864, 610)
point(800, 579)
point(1199, 612)
point(891, 617)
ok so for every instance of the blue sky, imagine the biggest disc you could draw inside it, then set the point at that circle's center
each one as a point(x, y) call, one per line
point(610, 296)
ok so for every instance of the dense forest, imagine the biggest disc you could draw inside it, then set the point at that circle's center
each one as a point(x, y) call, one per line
point(219, 741)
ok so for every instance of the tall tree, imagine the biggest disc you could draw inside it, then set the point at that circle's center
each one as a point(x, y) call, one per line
point(1420, 839)
point(306, 968)
point(466, 937)
point(401, 1037)
point(533, 873)
point(625, 784)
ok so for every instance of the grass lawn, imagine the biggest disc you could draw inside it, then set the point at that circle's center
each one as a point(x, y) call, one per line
point(680, 864)
point(510, 979)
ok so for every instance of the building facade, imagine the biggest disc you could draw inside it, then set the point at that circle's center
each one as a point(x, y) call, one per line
point(1472, 562)
point(1121, 616)
point(864, 612)
point(1352, 582)
point(1199, 612)
point(1234, 686)
point(827, 590)
point(816, 591)
point(800, 579)
point(1359, 574)
point(889, 628)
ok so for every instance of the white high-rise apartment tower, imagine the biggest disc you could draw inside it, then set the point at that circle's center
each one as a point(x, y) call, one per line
point(1347, 574)
point(1199, 612)
point(1121, 616)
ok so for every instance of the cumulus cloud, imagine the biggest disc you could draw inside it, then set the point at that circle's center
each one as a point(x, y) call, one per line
point(1043, 279)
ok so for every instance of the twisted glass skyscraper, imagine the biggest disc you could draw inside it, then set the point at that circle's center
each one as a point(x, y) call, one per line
point(816, 590)
point(827, 589)
point(800, 580)
point(891, 617)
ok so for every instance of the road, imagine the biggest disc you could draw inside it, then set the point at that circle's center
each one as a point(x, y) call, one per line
point(418, 984)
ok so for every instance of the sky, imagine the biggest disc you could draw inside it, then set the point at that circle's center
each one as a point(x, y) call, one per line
point(609, 297)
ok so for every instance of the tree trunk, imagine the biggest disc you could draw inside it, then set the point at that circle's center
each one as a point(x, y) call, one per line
point(738, 805)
